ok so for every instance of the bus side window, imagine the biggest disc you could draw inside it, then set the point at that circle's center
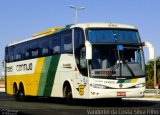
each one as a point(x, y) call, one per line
point(34, 53)
point(18, 52)
point(6, 55)
point(18, 57)
point(45, 51)
point(34, 48)
point(83, 61)
point(56, 49)
point(10, 54)
point(66, 42)
point(54, 44)
point(25, 50)
point(44, 46)
point(79, 50)
point(27, 56)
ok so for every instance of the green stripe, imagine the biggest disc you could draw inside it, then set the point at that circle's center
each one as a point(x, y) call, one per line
point(51, 75)
point(121, 81)
point(124, 81)
point(43, 76)
point(127, 81)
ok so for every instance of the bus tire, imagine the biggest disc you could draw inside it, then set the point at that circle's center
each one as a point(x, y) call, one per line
point(21, 94)
point(68, 95)
point(15, 91)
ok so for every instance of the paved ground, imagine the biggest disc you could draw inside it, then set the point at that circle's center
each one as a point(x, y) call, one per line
point(54, 106)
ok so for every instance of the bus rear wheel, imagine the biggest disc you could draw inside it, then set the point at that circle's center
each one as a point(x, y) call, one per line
point(68, 95)
point(15, 91)
point(21, 94)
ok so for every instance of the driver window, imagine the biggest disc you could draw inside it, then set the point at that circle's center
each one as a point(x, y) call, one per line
point(83, 62)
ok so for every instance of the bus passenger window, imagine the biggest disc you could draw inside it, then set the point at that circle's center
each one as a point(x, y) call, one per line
point(54, 44)
point(25, 50)
point(44, 51)
point(12, 58)
point(27, 55)
point(18, 57)
point(6, 55)
point(68, 47)
point(35, 53)
point(43, 46)
point(56, 50)
point(34, 48)
point(66, 42)
point(18, 52)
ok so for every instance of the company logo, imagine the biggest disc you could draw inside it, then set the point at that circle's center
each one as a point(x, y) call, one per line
point(120, 85)
point(24, 67)
point(81, 89)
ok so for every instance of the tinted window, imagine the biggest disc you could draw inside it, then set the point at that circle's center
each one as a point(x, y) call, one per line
point(18, 52)
point(34, 48)
point(55, 44)
point(79, 49)
point(6, 55)
point(49, 45)
point(78, 38)
point(113, 36)
point(44, 46)
point(10, 54)
point(26, 50)
point(66, 41)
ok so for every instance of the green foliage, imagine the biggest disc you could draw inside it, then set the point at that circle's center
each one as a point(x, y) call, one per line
point(150, 73)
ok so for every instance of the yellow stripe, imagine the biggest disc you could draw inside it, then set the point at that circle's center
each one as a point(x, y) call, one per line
point(30, 81)
point(47, 32)
point(134, 80)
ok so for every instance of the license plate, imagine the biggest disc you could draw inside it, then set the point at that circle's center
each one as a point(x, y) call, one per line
point(121, 93)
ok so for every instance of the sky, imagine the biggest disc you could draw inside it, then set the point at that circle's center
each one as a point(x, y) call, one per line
point(20, 19)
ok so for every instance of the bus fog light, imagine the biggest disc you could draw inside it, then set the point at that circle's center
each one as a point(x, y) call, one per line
point(140, 85)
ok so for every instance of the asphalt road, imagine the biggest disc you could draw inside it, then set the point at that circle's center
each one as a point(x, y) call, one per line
point(54, 106)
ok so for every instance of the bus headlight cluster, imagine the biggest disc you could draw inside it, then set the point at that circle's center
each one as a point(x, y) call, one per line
point(140, 85)
point(98, 86)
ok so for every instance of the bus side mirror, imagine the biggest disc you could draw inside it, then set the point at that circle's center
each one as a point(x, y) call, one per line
point(88, 50)
point(151, 50)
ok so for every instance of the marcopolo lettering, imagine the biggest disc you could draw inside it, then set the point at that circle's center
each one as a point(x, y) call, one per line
point(24, 67)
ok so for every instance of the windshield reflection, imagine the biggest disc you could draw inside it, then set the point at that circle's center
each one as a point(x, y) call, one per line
point(128, 62)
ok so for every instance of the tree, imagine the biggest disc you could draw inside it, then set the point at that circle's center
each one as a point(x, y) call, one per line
point(158, 70)
point(150, 73)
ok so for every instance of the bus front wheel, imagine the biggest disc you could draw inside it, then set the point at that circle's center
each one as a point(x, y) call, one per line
point(68, 95)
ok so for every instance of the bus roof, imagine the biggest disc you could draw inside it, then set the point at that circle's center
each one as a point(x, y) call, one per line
point(39, 35)
point(103, 25)
point(81, 25)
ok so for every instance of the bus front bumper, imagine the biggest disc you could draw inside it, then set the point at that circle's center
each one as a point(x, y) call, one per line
point(96, 93)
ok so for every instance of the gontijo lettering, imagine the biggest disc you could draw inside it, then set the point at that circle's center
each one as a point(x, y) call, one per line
point(24, 67)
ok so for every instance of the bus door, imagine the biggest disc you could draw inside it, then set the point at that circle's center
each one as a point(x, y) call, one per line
point(81, 76)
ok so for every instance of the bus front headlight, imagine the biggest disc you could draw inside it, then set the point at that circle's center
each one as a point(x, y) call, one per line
point(140, 85)
point(98, 86)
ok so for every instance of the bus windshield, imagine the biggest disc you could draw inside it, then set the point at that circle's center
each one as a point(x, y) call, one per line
point(109, 62)
point(113, 36)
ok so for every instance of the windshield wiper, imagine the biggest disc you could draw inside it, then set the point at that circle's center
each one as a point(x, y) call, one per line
point(130, 70)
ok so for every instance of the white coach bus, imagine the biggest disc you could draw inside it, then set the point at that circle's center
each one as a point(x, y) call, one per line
point(82, 61)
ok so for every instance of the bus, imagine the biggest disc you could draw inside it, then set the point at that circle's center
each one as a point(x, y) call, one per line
point(79, 61)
